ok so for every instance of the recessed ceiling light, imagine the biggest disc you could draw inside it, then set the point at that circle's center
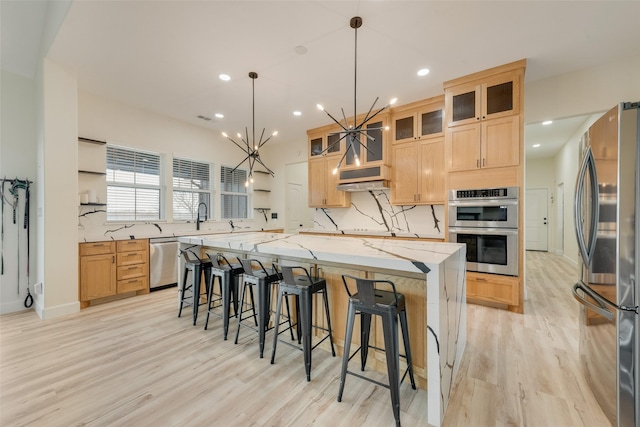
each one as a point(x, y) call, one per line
point(219, 116)
point(536, 145)
point(297, 113)
point(547, 122)
point(225, 77)
point(423, 72)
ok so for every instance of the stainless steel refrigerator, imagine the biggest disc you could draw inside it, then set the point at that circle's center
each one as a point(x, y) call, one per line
point(606, 222)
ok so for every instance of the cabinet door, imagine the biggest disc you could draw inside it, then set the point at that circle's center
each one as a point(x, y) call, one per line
point(463, 147)
point(404, 169)
point(431, 123)
point(464, 104)
point(334, 197)
point(404, 127)
point(97, 276)
point(316, 145)
point(431, 177)
point(501, 142)
point(501, 96)
point(317, 182)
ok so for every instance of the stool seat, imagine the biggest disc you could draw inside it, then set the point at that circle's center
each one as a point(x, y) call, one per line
point(194, 264)
point(302, 286)
point(228, 275)
point(390, 306)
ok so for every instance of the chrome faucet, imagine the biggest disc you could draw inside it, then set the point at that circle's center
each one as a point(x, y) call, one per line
point(198, 220)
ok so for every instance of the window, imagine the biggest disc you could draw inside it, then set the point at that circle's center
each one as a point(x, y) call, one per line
point(191, 187)
point(234, 198)
point(133, 185)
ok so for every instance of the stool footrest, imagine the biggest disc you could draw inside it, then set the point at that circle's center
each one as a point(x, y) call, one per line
point(355, 374)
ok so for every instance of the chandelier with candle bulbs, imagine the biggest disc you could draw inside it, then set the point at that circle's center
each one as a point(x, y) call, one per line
point(353, 133)
point(251, 147)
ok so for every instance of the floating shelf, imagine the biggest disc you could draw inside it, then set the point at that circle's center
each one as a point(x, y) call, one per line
point(93, 204)
point(91, 141)
point(260, 189)
point(91, 172)
point(261, 209)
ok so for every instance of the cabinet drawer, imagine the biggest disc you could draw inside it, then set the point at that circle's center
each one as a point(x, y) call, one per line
point(97, 248)
point(128, 258)
point(130, 285)
point(131, 271)
point(132, 245)
point(493, 288)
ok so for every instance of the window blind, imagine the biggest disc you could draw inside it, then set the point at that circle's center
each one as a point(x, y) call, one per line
point(191, 186)
point(234, 199)
point(133, 185)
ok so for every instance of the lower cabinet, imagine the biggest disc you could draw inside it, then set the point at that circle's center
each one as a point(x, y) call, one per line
point(322, 186)
point(107, 269)
point(493, 288)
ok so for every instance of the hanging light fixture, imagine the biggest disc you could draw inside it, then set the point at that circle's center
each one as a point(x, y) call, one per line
point(353, 132)
point(251, 149)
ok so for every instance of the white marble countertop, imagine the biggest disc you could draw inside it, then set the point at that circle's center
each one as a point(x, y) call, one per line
point(401, 255)
point(366, 232)
point(147, 235)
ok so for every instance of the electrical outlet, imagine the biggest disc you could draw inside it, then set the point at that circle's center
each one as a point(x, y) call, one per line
point(37, 288)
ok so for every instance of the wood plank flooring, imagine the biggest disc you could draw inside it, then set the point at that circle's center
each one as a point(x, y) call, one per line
point(134, 363)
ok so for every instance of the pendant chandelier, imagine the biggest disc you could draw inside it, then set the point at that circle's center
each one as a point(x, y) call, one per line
point(353, 133)
point(251, 147)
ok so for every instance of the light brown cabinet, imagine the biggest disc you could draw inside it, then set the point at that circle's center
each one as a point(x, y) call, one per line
point(322, 185)
point(418, 173)
point(419, 120)
point(325, 141)
point(490, 98)
point(111, 268)
point(493, 288)
point(488, 144)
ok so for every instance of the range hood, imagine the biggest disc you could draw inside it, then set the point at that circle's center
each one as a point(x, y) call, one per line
point(364, 186)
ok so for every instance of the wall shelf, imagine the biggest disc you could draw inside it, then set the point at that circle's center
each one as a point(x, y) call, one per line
point(262, 190)
point(91, 172)
point(91, 141)
point(93, 204)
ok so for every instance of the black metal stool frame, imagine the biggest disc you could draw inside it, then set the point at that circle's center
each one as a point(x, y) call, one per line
point(227, 275)
point(260, 278)
point(197, 266)
point(302, 287)
point(389, 306)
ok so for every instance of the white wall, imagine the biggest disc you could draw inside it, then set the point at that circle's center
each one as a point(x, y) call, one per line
point(17, 159)
point(57, 206)
point(108, 120)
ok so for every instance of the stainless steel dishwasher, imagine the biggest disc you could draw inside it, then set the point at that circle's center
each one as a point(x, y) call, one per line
point(163, 262)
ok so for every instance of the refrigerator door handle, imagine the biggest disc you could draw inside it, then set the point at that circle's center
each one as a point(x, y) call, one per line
point(602, 302)
point(587, 248)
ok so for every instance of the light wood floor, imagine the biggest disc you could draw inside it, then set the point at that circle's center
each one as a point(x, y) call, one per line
point(134, 363)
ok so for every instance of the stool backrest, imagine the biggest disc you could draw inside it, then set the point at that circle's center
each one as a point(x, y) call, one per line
point(215, 258)
point(367, 288)
point(246, 266)
point(190, 256)
point(289, 277)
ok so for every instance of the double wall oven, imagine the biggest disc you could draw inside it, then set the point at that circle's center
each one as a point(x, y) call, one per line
point(486, 220)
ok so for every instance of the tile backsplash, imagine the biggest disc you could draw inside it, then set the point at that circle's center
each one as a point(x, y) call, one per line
point(371, 211)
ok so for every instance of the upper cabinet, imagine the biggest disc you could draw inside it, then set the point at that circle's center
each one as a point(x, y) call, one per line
point(325, 141)
point(483, 119)
point(419, 120)
point(489, 98)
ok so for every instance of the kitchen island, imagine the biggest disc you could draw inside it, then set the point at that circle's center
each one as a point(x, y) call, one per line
point(430, 274)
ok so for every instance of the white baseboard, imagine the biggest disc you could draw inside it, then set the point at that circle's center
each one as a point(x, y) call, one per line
point(12, 307)
point(58, 311)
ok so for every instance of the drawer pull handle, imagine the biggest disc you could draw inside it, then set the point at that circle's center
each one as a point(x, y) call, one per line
point(95, 245)
point(133, 281)
point(480, 279)
point(132, 268)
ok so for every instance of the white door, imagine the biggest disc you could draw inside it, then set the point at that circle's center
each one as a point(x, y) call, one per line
point(298, 213)
point(560, 220)
point(536, 219)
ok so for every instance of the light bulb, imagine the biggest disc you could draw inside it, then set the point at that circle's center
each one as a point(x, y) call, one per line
point(255, 147)
point(357, 161)
point(335, 170)
point(225, 135)
point(320, 107)
point(246, 183)
point(393, 101)
point(274, 133)
point(251, 179)
point(239, 136)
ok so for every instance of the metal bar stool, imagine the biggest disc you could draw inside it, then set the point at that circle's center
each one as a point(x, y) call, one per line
point(262, 278)
point(389, 305)
point(228, 274)
point(303, 287)
point(195, 265)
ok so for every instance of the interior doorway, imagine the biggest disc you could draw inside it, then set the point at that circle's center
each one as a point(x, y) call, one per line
point(536, 219)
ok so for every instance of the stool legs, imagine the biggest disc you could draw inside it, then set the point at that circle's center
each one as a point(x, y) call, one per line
point(326, 310)
point(305, 323)
point(351, 314)
point(365, 328)
point(184, 289)
point(390, 331)
point(407, 346)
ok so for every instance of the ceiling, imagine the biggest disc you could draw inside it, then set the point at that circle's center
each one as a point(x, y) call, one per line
point(165, 56)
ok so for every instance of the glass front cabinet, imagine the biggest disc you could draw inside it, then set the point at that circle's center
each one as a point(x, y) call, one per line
point(419, 120)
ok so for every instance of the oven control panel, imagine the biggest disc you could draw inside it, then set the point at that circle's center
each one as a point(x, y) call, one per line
point(484, 193)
